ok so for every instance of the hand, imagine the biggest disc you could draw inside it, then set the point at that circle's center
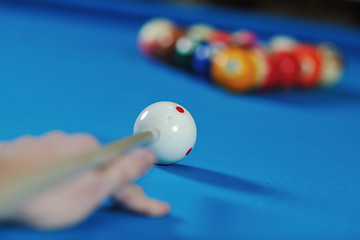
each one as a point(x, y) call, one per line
point(72, 201)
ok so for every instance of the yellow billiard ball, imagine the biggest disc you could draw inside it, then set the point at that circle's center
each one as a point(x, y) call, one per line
point(234, 69)
point(333, 64)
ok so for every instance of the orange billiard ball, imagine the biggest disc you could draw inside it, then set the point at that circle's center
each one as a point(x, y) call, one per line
point(234, 69)
point(310, 65)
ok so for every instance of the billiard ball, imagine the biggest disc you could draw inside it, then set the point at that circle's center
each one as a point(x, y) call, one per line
point(220, 38)
point(287, 67)
point(244, 38)
point(332, 64)
point(281, 43)
point(201, 60)
point(157, 38)
point(175, 130)
point(200, 32)
point(266, 77)
point(271, 80)
point(310, 65)
point(184, 51)
point(234, 69)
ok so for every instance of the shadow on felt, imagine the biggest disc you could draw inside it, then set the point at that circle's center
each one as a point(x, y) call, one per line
point(312, 97)
point(224, 181)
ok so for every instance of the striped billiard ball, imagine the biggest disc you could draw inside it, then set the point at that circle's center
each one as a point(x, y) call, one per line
point(157, 38)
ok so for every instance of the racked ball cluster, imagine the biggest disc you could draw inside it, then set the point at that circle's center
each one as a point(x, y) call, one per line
point(238, 61)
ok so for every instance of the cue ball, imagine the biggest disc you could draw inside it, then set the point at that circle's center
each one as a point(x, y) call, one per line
point(175, 128)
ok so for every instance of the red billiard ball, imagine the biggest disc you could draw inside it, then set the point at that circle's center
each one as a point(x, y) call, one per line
point(271, 80)
point(220, 38)
point(287, 67)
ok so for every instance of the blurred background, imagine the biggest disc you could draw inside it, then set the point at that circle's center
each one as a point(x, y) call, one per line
point(335, 11)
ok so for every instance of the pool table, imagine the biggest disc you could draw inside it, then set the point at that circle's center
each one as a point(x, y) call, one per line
point(267, 165)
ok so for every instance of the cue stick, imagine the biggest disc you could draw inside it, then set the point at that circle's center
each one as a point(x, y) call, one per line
point(20, 185)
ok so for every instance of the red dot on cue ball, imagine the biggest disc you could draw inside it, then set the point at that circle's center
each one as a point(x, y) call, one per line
point(187, 153)
point(180, 109)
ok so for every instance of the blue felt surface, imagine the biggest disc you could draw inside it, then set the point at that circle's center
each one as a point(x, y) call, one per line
point(278, 165)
